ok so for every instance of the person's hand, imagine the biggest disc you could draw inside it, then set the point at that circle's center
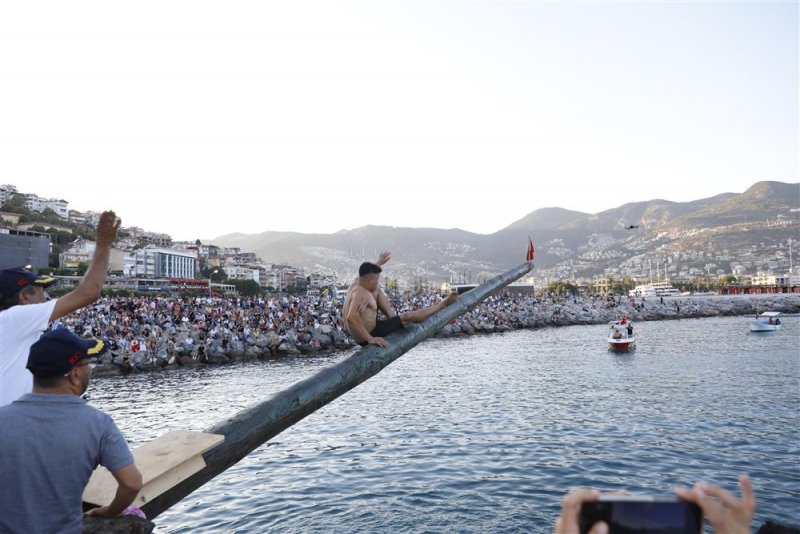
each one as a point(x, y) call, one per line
point(99, 512)
point(378, 341)
point(384, 257)
point(107, 228)
point(568, 521)
point(726, 513)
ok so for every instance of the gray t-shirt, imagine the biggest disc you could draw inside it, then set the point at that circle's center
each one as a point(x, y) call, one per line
point(49, 447)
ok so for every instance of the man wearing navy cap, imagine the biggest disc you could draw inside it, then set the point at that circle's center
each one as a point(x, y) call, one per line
point(51, 441)
point(26, 310)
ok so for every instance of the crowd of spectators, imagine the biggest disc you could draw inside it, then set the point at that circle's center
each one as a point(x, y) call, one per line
point(159, 331)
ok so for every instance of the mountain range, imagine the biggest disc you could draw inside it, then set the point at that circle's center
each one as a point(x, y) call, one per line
point(569, 244)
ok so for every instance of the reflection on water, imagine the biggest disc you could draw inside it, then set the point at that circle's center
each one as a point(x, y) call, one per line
point(487, 433)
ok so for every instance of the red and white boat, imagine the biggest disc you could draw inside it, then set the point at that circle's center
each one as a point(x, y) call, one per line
point(620, 335)
point(766, 322)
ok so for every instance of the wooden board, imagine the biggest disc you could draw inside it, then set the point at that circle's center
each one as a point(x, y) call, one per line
point(163, 462)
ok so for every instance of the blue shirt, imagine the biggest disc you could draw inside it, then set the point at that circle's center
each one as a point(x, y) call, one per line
point(49, 447)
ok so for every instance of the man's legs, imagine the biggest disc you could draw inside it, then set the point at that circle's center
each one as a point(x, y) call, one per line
point(417, 316)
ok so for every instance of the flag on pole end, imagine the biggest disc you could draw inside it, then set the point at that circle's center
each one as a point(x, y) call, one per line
point(529, 256)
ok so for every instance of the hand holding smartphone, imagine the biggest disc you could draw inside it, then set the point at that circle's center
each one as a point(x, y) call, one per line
point(641, 514)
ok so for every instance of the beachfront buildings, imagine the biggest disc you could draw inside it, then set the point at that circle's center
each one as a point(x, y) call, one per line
point(243, 273)
point(769, 279)
point(160, 263)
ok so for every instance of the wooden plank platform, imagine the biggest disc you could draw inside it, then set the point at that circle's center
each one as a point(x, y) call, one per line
point(164, 462)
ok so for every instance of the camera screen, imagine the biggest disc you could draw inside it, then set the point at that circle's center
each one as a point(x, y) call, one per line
point(625, 517)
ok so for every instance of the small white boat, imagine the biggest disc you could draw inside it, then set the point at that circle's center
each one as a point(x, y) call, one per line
point(766, 322)
point(620, 335)
point(653, 290)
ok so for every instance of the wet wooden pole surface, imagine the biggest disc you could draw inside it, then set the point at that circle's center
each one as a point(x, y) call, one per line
point(254, 426)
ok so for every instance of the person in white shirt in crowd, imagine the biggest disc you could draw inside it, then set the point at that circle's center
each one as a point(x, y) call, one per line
point(26, 310)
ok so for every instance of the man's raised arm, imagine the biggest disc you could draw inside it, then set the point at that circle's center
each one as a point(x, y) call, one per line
point(383, 258)
point(88, 289)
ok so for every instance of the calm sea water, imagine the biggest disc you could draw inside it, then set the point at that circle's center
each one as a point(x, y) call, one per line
point(486, 433)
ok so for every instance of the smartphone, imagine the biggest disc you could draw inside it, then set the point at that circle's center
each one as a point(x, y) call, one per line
point(642, 514)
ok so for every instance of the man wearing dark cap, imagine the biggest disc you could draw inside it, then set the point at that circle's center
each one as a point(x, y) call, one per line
point(364, 299)
point(51, 441)
point(26, 310)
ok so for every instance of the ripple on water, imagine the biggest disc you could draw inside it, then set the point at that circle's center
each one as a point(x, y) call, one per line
point(486, 433)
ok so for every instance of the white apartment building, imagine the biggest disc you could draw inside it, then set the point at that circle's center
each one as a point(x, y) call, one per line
point(161, 263)
point(242, 273)
point(6, 192)
point(77, 217)
point(767, 279)
point(90, 217)
point(271, 279)
point(39, 204)
point(318, 281)
point(80, 251)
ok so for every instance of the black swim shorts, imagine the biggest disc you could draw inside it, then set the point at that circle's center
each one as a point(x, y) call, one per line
point(384, 327)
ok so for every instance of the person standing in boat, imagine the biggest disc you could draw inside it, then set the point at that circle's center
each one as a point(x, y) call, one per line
point(363, 300)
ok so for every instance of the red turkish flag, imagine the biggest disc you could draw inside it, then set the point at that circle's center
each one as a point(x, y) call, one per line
point(529, 257)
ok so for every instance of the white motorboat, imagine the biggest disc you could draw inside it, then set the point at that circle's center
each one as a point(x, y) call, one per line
point(620, 335)
point(766, 322)
point(655, 289)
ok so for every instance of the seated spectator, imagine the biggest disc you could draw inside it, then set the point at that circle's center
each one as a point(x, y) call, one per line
point(51, 441)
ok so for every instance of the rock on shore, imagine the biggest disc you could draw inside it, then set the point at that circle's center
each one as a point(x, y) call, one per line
point(496, 314)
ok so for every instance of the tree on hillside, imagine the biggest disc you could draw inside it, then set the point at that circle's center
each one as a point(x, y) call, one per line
point(50, 216)
point(218, 277)
point(561, 288)
point(247, 288)
point(16, 204)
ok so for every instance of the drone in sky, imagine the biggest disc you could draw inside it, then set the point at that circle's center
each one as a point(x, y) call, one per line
point(631, 226)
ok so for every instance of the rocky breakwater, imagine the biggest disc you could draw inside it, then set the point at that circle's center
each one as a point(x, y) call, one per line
point(191, 348)
point(501, 313)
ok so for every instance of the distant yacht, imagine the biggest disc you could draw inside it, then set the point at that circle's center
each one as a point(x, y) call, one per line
point(656, 289)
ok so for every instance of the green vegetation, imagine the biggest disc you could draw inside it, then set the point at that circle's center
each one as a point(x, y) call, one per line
point(215, 274)
point(247, 288)
point(702, 285)
point(621, 287)
point(562, 288)
point(16, 204)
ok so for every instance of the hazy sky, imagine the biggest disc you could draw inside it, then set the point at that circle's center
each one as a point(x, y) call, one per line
point(202, 118)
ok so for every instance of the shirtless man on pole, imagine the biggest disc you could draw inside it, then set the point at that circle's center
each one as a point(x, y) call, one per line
point(364, 299)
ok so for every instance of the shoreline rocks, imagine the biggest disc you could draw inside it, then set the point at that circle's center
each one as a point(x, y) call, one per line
point(502, 313)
